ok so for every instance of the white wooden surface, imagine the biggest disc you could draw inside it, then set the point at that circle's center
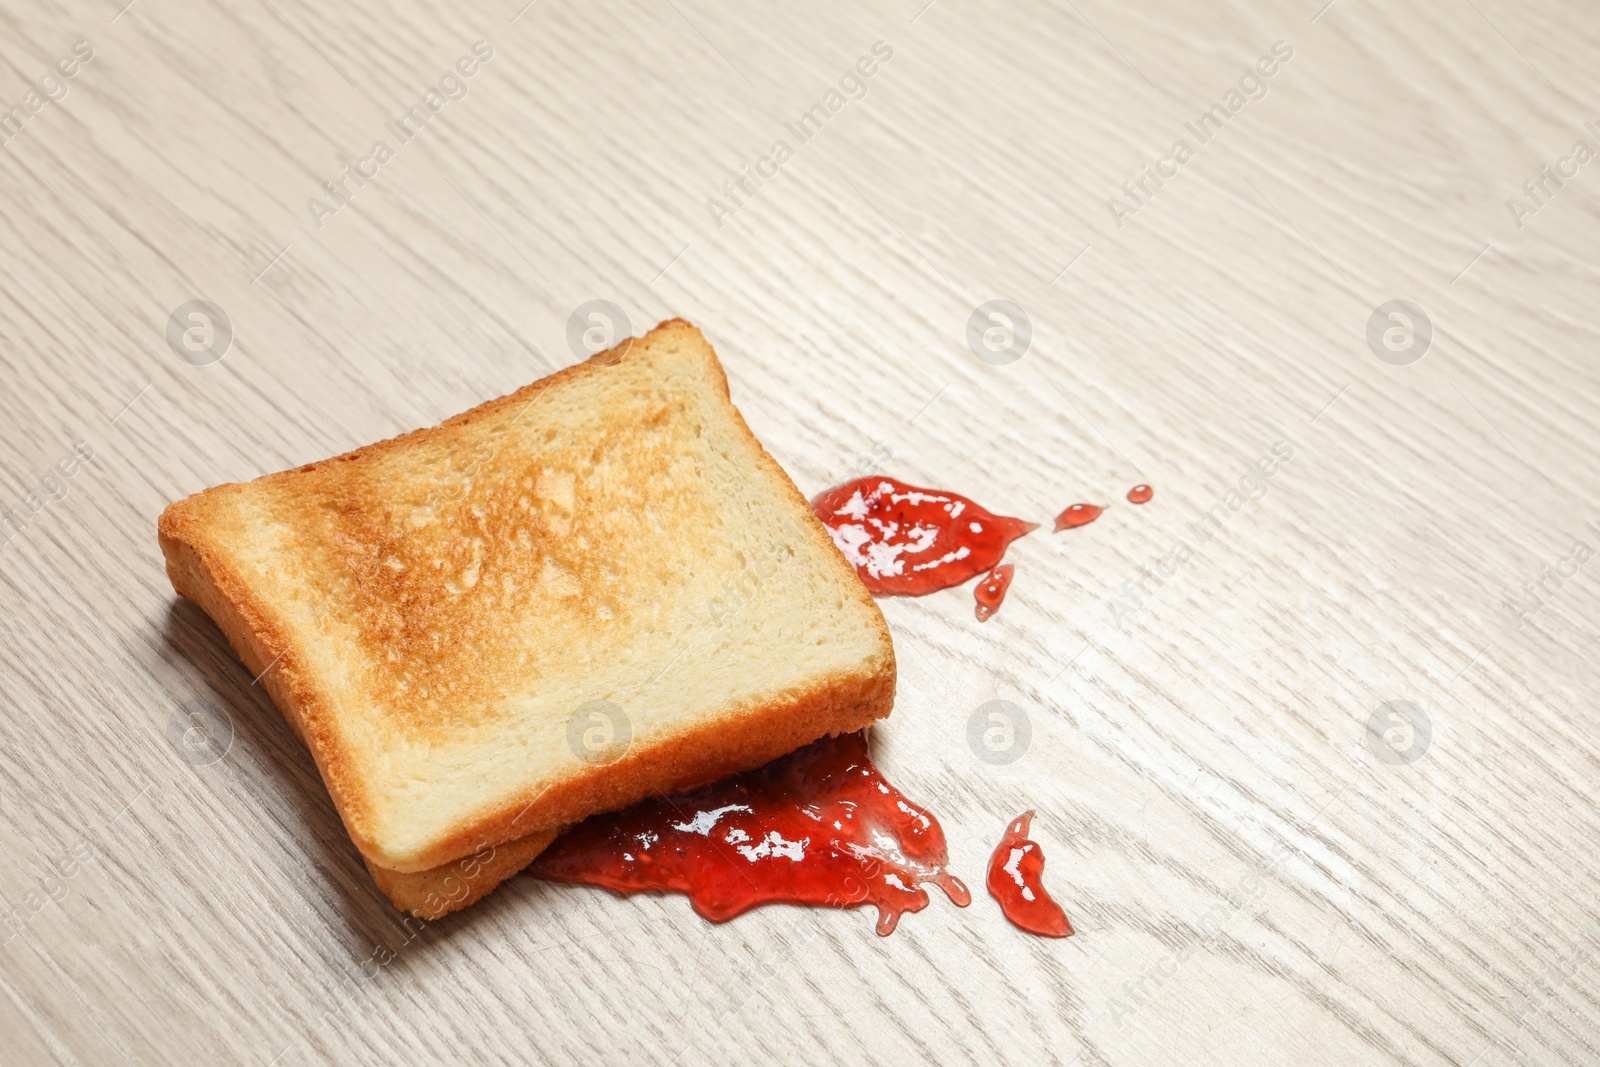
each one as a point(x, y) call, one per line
point(1251, 884)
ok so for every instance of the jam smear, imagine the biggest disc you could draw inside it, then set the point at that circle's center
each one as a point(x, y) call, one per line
point(991, 591)
point(1078, 515)
point(1140, 494)
point(1015, 879)
point(906, 541)
point(819, 826)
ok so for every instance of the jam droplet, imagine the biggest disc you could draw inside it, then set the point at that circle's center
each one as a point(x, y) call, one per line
point(906, 541)
point(1078, 515)
point(991, 591)
point(819, 826)
point(1140, 494)
point(1015, 879)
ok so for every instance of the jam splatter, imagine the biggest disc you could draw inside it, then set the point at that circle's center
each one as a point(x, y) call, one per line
point(1078, 515)
point(819, 826)
point(906, 541)
point(1140, 494)
point(991, 591)
point(1015, 879)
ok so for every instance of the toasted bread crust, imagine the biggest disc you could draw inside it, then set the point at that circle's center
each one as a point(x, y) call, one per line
point(201, 574)
point(437, 892)
point(200, 570)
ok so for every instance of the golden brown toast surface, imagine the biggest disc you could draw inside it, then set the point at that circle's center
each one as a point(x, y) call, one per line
point(441, 615)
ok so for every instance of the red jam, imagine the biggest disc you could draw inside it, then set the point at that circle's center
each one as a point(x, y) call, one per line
point(819, 826)
point(1140, 494)
point(906, 541)
point(991, 591)
point(1016, 871)
point(1078, 515)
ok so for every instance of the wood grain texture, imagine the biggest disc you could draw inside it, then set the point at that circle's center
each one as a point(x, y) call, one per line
point(1250, 882)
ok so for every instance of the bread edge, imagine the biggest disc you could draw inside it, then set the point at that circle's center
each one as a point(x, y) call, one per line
point(438, 891)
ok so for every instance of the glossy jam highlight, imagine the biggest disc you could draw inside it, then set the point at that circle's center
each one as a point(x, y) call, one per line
point(906, 541)
point(1078, 515)
point(990, 592)
point(1016, 880)
point(1140, 494)
point(819, 826)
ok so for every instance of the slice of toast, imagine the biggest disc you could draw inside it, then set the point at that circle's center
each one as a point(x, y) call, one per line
point(595, 589)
